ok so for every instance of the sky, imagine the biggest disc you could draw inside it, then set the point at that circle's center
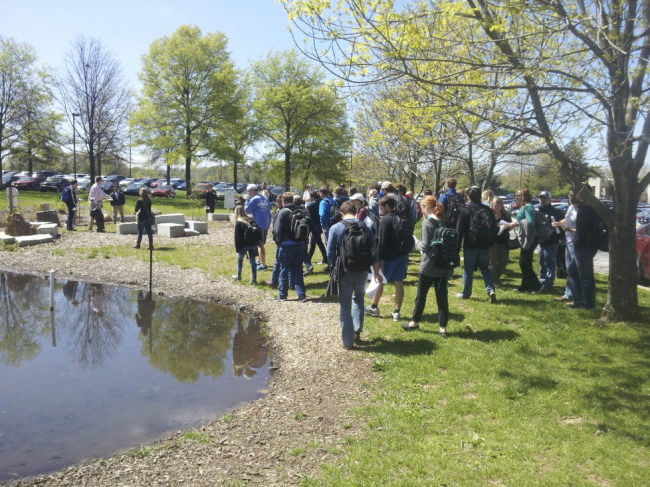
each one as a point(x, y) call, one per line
point(127, 28)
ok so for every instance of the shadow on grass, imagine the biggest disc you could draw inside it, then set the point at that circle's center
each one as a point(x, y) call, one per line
point(398, 346)
point(485, 335)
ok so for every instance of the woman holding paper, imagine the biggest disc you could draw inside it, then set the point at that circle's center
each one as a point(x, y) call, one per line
point(431, 276)
point(499, 251)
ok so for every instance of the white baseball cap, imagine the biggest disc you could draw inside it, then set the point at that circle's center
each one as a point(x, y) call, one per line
point(251, 186)
point(357, 196)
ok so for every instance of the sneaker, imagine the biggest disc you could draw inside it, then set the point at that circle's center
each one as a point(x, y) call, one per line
point(302, 299)
point(396, 315)
point(279, 299)
point(370, 311)
point(493, 297)
point(236, 278)
point(357, 336)
point(461, 296)
point(308, 271)
point(261, 267)
point(252, 281)
point(539, 291)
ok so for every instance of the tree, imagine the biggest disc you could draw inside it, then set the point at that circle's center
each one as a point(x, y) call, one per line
point(92, 86)
point(188, 96)
point(27, 125)
point(580, 69)
point(294, 108)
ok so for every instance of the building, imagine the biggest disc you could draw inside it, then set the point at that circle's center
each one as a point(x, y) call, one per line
point(602, 191)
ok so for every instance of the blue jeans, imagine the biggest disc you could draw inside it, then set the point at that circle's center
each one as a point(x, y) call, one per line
point(70, 220)
point(275, 275)
point(307, 259)
point(547, 259)
point(582, 271)
point(352, 288)
point(573, 286)
point(472, 258)
point(290, 257)
point(147, 227)
point(251, 258)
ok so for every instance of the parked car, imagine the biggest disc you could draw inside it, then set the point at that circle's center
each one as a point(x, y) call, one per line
point(148, 181)
point(201, 187)
point(28, 183)
point(241, 187)
point(126, 181)
point(276, 191)
point(133, 189)
point(8, 179)
point(45, 174)
point(116, 177)
point(642, 217)
point(221, 194)
point(158, 182)
point(182, 186)
point(83, 186)
point(107, 186)
point(55, 183)
point(175, 183)
point(643, 253)
point(164, 190)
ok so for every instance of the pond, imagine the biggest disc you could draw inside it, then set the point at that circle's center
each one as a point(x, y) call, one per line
point(111, 369)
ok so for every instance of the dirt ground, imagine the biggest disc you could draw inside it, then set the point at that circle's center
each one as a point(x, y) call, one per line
point(277, 440)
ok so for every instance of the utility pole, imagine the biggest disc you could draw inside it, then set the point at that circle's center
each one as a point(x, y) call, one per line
point(74, 143)
point(129, 153)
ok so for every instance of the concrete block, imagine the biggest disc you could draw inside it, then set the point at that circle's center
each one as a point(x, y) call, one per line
point(6, 239)
point(38, 224)
point(177, 218)
point(191, 233)
point(201, 227)
point(50, 216)
point(127, 228)
point(45, 207)
point(48, 229)
point(171, 230)
point(218, 217)
point(129, 218)
point(33, 240)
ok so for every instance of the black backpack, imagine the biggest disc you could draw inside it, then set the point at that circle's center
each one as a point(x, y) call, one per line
point(481, 232)
point(600, 240)
point(356, 249)
point(452, 212)
point(443, 248)
point(404, 231)
point(299, 225)
point(252, 234)
point(543, 226)
point(403, 209)
point(335, 213)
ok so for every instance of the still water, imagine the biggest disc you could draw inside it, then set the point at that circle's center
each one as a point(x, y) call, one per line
point(111, 369)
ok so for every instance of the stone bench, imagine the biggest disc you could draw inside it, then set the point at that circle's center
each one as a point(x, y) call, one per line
point(177, 218)
point(33, 240)
point(171, 230)
point(127, 228)
point(191, 233)
point(218, 217)
point(6, 239)
point(48, 229)
point(200, 227)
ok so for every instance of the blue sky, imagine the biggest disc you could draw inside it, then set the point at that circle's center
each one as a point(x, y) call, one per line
point(127, 28)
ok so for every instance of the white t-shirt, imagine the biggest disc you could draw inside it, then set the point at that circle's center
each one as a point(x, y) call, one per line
point(571, 214)
point(306, 196)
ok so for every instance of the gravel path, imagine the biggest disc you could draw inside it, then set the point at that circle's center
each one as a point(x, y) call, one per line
point(275, 440)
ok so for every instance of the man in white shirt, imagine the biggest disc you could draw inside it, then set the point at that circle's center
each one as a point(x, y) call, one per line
point(569, 226)
point(96, 197)
point(306, 196)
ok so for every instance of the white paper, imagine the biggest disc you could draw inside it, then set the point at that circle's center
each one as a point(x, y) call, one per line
point(374, 285)
point(503, 225)
point(557, 230)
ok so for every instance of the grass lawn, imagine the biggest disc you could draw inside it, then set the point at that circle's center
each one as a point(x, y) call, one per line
point(523, 392)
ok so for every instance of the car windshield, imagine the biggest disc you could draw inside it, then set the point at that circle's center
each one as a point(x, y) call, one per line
point(164, 187)
point(53, 180)
point(26, 179)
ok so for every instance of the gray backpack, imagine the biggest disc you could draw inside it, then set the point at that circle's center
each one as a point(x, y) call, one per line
point(543, 226)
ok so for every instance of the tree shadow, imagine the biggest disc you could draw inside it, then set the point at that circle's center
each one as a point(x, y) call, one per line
point(163, 249)
point(485, 335)
point(398, 346)
point(433, 318)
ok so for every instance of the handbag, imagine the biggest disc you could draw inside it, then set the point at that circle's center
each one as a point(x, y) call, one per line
point(513, 243)
point(150, 217)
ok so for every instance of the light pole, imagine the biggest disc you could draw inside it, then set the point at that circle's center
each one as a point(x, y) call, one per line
point(74, 142)
point(129, 153)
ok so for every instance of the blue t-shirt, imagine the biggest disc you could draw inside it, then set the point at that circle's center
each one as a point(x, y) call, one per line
point(258, 207)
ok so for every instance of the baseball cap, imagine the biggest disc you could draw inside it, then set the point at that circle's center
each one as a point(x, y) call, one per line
point(307, 185)
point(357, 196)
point(251, 186)
point(546, 194)
point(385, 184)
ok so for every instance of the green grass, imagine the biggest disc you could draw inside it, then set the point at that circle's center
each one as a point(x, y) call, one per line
point(196, 436)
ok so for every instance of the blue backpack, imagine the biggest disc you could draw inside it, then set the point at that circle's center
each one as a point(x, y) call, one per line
point(66, 194)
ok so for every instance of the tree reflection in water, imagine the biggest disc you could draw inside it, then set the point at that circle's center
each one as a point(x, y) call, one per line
point(188, 338)
point(249, 351)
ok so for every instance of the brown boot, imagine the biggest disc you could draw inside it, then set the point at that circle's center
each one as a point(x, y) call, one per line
point(137, 245)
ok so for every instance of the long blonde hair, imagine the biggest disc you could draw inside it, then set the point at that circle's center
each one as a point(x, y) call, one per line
point(241, 216)
point(496, 199)
point(144, 195)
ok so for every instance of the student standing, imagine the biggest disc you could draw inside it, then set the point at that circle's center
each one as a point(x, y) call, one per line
point(500, 250)
point(96, 199)
point(430, 275)
point(452, 202)
point(144, 217)
point(69, 197)
point(529, 281)
point(353, 268)
point(324, 210)
point(548, 248)
point(476, 230)
point(243, 244)
point(573, 288)
point(257, 206)
point(316, 237)
point(210, 200)
point(117, 202)
point(291, 252)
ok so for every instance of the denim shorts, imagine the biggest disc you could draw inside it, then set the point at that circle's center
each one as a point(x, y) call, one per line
point(396, 269)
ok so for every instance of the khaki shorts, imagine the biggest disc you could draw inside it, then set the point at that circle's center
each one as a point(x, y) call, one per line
point(264, 235)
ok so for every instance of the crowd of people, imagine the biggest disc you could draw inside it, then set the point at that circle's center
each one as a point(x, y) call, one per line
point(369, 237)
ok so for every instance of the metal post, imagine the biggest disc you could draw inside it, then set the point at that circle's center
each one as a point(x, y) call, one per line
point(53, 329)
point(74, 143)
point(150, 267)
point(130, 154)
point(52, 281)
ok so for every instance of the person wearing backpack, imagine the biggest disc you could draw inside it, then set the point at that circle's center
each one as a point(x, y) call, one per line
point(259, 208)
point(394, 242)
point(351, 252)
point(548, 248)
point(500, 249)
point(316, 237)
point(247, 237)
point(476, 230)
point(402, 191)
point(291, 230)
point(589, 225)
point(324, 210)
point(275, 275)
point(452, 202)
point(69, 197)
point(529, 281)
point(335, 211)
point(363, 215)
point(432, 275)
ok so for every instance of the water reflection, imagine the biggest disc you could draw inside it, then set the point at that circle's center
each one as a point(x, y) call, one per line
point(99, 388)
point(249, 351)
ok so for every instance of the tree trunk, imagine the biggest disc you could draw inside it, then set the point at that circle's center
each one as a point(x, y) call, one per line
point(436, 189)
point(490, 170)
point(287, 170)
point(188, 160)
point(29, 160)
point(169, 173)
point(234, 173)
point(91, 161)
point(470, 164)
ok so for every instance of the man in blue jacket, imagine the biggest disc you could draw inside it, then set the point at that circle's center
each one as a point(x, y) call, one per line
point(257, 206)
point(326, 203)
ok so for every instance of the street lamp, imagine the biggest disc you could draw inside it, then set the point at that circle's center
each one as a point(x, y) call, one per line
point(74, 142)
point(129, 153)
